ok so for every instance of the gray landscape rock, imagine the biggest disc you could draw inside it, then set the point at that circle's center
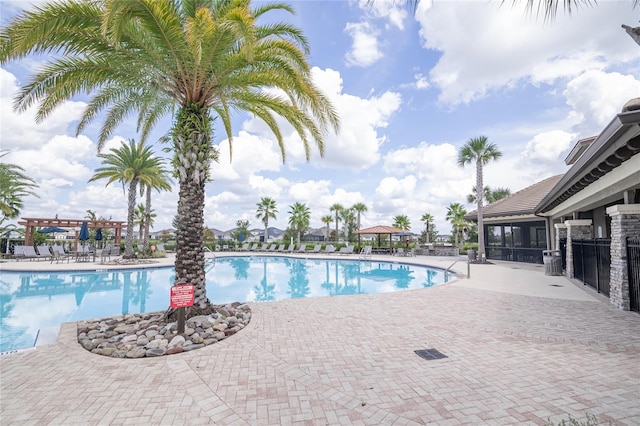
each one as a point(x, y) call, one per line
point(149, 335)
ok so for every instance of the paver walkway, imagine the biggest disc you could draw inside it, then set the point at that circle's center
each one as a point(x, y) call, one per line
point(519, 351)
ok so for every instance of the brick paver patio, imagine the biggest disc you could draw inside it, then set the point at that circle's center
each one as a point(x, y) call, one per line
point(512, 358)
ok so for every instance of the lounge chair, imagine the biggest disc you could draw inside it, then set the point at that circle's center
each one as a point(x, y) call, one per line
point(329, 249)
point(254, 247)
point(302, 248)
point(272, 247)
point(18, 252)
point(245, 247)
point(346, 250)
point(317, 248)
point(365, 252)
point(29, 252)
point(281, 248)
point(400, 252)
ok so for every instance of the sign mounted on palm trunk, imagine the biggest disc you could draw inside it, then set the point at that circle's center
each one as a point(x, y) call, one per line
point(182, 295)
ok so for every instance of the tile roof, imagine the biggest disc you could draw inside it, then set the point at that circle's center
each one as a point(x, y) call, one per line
point(522, 202)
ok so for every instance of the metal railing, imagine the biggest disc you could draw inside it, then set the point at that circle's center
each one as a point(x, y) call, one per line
point(592, 263)
point(515, 254)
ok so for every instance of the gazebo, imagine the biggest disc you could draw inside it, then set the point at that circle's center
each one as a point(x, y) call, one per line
point(381, 230)
point(31, 224)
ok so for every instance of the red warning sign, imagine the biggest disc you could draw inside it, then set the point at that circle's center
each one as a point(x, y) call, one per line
point(182, 295)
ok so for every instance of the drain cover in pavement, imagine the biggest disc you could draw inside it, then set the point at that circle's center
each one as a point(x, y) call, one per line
point(430, 354)
point(555, 285)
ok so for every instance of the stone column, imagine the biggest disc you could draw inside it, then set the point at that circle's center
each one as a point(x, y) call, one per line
point(577, 229)
point(561, 232)
point(625, 222)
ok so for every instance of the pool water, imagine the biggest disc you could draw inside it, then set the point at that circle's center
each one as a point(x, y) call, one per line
point(34, 303)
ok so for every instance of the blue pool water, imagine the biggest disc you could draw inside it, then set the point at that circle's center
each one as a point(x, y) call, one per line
point(32, 302)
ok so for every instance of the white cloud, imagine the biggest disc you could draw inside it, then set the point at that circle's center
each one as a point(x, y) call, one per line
point(597, 96)
point(394, 11)
point(19, 130)
point(365, 49)
point(509, 49)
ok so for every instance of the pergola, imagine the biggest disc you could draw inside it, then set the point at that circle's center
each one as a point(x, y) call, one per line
point(31, 224)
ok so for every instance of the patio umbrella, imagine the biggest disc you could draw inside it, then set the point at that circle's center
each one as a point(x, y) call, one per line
point(99, 234)
point(51, 230)
point(84, 231)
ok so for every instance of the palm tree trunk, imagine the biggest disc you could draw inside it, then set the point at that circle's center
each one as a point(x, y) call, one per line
point(128, 245)
point(479, 184)
point(266, 226)
point(192, 145)
point(147, 219)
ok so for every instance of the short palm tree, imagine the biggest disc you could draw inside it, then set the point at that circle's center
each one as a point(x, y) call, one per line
point(455, 215)
point(128, 165)
point(139, 218)
point(348, 217)
point(159, 181)
point(194, 59)
point(242, 229)
point(427, 219)
point(299, 218)
point(327, 219)
point(479, 151)
point(15, 185)
point(266, 209)
point(336, 209)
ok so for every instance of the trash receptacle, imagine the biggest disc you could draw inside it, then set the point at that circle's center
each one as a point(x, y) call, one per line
point(552, 260)
point(472, 255)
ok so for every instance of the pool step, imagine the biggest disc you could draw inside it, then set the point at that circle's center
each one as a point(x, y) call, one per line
point(47, 336)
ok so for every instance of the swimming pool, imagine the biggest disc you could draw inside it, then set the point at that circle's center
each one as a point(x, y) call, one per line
point(34, 303)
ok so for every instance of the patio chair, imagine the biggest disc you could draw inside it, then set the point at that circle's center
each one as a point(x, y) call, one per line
point(281, 248)
point(302, 248)
point(58, 254)
point(43, 253)
point(254, 247)
point(272, 247)
point(400, 252)
point(316, 248)
point(245, 247)
point(29, 252)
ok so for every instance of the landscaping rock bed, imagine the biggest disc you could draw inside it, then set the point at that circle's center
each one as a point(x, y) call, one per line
point(150, 335)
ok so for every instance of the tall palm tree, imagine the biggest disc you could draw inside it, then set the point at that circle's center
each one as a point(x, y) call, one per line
point(336, 208)
point(128, 164)
point(14, 187)
point(266, 209)
point(194, 59)
point(455, 215)
point(327, 219)
point(478, 150)
point(359, 208)
point(427, 219)
point(299, 218)
point(402, 221)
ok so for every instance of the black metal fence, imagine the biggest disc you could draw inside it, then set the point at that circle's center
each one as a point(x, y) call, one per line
point(592, 263)
point(633, 260)
point(515, 254)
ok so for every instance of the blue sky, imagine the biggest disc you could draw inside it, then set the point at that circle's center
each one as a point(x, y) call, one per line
point(410, 90)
